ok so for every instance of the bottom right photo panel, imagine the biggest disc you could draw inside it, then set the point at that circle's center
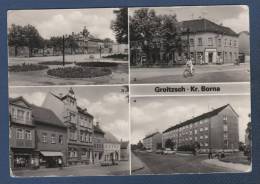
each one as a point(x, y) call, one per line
point(190, 134)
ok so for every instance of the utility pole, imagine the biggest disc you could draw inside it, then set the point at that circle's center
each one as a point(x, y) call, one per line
point(63, 50)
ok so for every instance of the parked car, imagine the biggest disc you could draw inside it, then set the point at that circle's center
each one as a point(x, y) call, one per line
point(168, 151)
point(159, 151)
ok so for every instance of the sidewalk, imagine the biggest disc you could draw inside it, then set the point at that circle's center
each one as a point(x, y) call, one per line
point(238, 167)
point(136, 163)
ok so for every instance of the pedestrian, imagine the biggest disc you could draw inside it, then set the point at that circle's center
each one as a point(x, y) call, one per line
point(210, 154)
point(60, 163)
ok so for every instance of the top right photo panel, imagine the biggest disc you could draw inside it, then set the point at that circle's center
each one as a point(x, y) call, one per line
point(189, 44)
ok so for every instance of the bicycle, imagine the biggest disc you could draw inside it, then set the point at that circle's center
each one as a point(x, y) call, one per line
point(188, 73)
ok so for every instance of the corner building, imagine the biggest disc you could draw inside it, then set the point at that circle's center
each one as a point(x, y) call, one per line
point(216, 130)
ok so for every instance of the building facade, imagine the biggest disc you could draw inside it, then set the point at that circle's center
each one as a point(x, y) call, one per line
point(244, 46)
point(98, 140)
point(79, 125)
point(152, 141)
point(21, 133)
point(111, 148)
point(51, 136)
point(124, 150)
point(204, 41)
point(216, 130)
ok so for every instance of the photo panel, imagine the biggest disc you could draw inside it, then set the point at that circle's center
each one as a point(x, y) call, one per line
point(68, 46)
point(191, 134)
point(189, 44)
point(69, 131)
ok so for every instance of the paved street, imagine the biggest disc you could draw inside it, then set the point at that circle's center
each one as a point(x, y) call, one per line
point(38, 78)
point(173, 164)
point(203, 73)
point(80, 170)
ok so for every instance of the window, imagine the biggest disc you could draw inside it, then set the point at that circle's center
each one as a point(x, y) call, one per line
point(225, 136)
point(225, 42)
point(201, 137)
point(192, 42)
point(225, 118)
point(201, 129)
point(210, 42)
point(205, 136)
point(200, 42)
point(13, 112)
point(219, 42)
point(20, 114)
point(225, 127)
point(206, 128)
point(235, 43)
point(230, 43)
point(82, 136)
point(53, 137)
point(61, 139)
point(44, 137)
point(19, 133)
point(28, 135)
point(206, 144)
point(196, 138)
point(28, 116)
point(196, 131)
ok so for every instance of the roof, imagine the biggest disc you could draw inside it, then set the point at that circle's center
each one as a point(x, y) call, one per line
point(198, 118)
point(20, 98)
point(124, 144)
point(46, 116)
point(83, 111)
point(205, 25)
point(97, 129)
point(150, 135)
point(110, 138)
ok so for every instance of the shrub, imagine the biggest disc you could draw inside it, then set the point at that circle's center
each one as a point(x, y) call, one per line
point(97, 64)
point(117, 56)
point(186, 148)
point(26, 67)
point(53, 63)
point(78, 72)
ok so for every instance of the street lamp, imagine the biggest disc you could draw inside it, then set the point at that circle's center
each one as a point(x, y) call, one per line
point(188, 41)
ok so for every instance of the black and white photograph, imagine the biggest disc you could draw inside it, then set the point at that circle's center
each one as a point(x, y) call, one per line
point(69, 131)
point(191, 134)
point(68, 47)
point(189, 44)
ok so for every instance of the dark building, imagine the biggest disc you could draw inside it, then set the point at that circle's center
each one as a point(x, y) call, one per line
point(98, 139)
point(51, 137)
point(216, 130)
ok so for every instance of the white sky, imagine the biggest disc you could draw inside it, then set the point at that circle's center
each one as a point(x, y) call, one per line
point(234, 16)
point(150, 114)
point(106, 103)
point(56, 22)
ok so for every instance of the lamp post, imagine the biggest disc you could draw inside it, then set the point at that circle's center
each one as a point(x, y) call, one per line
point(188, 41)
point(63, 50)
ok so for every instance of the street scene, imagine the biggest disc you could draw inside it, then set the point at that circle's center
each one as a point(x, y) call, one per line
point(189, 44)
point(68, 47)
point(211, 136)
point(76, 131)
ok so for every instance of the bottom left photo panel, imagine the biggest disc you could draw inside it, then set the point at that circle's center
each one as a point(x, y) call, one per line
point(69, 131)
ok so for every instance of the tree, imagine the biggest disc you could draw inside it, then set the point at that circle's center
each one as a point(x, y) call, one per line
point(241, 146)
point(20, 36)
point(120, 25)
point(169, 144)
point(71, 43)
point(56, 43)
point(159, 145)
point(140, 145)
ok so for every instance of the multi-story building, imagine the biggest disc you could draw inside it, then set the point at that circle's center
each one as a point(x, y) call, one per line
point(111, 148)
point(51, 136)
point(216, 130)
point(152, 141)
point(98, 140)
point(79, 125)
point(124, 150)
point(203, 40)
point(21, 133)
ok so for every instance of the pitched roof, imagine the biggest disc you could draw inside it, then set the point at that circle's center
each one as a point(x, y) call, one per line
point(150, 135)
point(20, 98)
point(205, 25)
point(124, 144)
point(46, 116)
point(198, 118)
point(83, 111)
point(110, 138)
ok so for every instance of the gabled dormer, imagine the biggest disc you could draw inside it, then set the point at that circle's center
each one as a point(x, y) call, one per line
point(20, 111)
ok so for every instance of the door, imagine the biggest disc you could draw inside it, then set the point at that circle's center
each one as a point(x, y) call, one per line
point(210, 57)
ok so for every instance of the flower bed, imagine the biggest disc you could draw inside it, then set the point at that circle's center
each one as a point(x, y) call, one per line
point(26, 67)
point(78, 72)
point(54, 63)
point(97, 64)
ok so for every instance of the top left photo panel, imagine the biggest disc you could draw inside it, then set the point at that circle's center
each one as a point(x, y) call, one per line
point(68, 47)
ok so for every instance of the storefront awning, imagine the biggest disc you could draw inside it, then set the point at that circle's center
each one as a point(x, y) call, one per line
point(51, 154)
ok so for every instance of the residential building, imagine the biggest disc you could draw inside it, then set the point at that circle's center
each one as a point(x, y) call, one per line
point(51, 136)
point(124, 150)
point(216, 130)
point(21, 133)
point(244, 46)
point(111, 148)
point(153, 141)
point(203, 40)
point(79, 125)
point(98, 140)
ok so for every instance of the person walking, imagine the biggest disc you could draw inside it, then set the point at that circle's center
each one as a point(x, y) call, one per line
point(60, 163)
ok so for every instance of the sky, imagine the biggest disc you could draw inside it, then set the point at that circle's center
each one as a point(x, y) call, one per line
point(107, 104)
point(57, 22)
point(150, 114)
point(234, 16)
